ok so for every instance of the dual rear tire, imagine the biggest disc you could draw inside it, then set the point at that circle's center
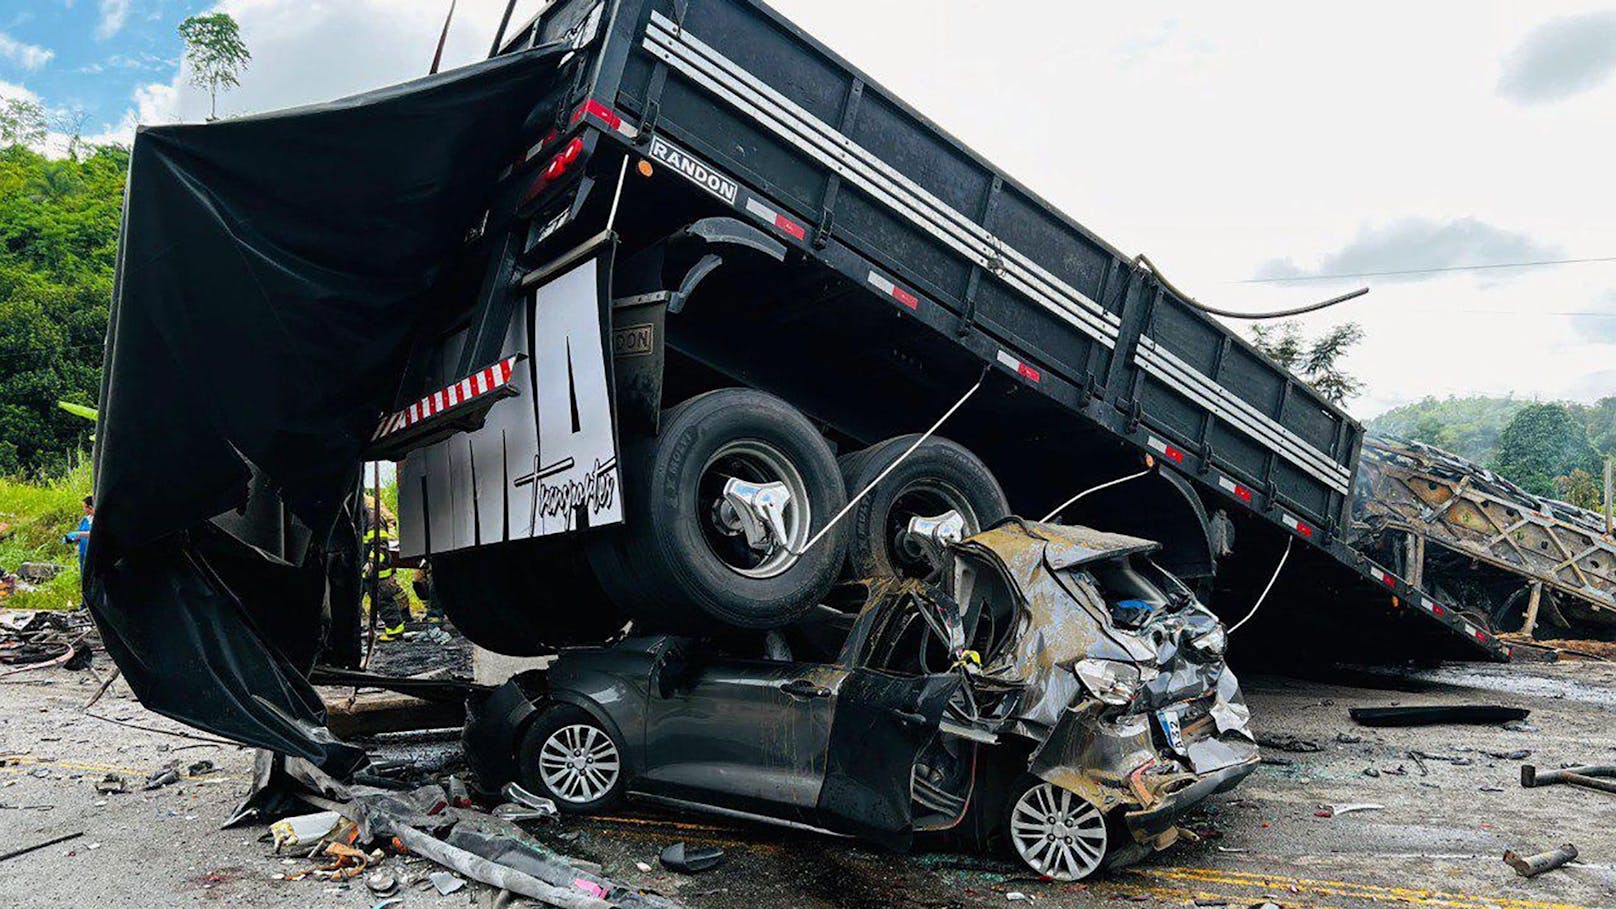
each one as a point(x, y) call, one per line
point(691, 556)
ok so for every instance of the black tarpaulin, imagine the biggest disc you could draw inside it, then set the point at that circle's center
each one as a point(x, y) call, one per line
point(273, 271)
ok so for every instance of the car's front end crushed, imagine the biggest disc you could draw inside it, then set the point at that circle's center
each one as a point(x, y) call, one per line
point(1111, 672)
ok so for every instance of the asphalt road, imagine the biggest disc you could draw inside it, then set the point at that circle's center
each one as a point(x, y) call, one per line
point(1436, 842)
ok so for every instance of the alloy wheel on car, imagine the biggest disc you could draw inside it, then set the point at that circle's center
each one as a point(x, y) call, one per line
point(1058, 833)
point(579, 763)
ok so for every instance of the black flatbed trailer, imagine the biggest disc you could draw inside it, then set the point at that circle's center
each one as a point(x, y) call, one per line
point(912, 264)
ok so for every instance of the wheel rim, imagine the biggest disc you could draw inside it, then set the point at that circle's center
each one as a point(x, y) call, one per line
point(761, 463)
point(579, 763)
point(922, 498)
point(1058, 833)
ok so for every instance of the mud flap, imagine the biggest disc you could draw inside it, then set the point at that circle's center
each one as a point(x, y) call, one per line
point(545, 460)
point(883, 723)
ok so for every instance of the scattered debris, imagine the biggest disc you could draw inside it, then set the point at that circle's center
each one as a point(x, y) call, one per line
point(445, 883)
point(381, 883)
point(1347, 738)
point(1593, 776)
point(37, 846)
point(1454, 759)
point(112, 784)
point(1437, 714)
point(1519, 726)
point(685, 859)
point(200, 768)
point(160, 778)
point(1290, 743)
point(1534, 865)
point(1371, 772)
point(1348, 808)
point(303, 830)
point(1519, 754)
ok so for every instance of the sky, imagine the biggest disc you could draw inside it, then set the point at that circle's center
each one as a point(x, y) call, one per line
point(1252, 150)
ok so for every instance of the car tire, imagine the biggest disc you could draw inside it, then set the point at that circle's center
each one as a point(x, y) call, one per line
point(941, 475)
point(676, 565)
point(571, 758)
point(1054, 831)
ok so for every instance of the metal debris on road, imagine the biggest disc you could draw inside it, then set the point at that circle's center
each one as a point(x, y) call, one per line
point(445, 883)
point(1437, 715)
point(1348, 808)
point(1534, 865)
point(1592, 776)
point(1519, 754)
point(1291, 743)
point(686, 859)
point(37, 846)
point(164, 777)
point(303, 830)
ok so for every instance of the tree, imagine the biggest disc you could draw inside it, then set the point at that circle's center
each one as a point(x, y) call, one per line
point(1317, 361)
point(1543, 442)
point(22, 122)
point(1580, 489)
point(216, 54)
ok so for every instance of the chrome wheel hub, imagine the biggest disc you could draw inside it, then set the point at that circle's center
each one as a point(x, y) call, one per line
point(754, 508)
point(579, 763)
point(1057, 833)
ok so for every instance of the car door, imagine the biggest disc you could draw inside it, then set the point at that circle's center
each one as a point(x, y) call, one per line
point(743, 734)
point(890, 767)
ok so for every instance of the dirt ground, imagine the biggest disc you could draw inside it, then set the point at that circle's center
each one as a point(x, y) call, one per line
point(1437, 841)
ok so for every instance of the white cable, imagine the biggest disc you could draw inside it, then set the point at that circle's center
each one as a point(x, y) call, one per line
point(1073, 500)
point(1264, 595)
point(617, 194)
point(890, 467)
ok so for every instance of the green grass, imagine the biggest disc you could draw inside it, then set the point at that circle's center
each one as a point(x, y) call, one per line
point(40, 512)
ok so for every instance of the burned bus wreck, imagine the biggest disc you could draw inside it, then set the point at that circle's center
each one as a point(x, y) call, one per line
point(1055, 694)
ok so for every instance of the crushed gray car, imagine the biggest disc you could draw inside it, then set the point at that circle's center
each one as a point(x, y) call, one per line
point(1056, 694)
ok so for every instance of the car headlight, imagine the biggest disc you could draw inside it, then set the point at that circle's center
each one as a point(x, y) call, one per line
point(1109, 681)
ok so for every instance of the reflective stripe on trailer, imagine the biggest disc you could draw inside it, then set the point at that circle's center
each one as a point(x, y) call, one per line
point(1026, 372)
point(774, 218)
point(605, 116)
point(1243, 493)
point(892, 290)
point(1301, 527)
point(1170, 452)
point(471, 387)
point(1383, 576)
point(1432, 606)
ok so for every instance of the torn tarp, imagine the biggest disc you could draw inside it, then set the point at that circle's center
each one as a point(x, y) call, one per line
point(273, 271)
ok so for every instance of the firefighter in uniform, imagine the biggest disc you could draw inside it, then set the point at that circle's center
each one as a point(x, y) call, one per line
point(389, 597)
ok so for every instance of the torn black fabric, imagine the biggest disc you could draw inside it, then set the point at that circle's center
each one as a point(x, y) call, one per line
point(273, 271)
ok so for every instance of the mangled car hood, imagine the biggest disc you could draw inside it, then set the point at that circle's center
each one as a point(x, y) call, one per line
point(1085, 689)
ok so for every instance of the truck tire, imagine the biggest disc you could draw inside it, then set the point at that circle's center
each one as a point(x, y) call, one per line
point(940, 476)
point(682, 562)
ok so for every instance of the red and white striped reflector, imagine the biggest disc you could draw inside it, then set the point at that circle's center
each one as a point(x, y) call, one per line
point(1240, 492)
point(1432, 606)
point(471, 387)
point(894, 291)
point(773, 217)
point(605, 115)
point(1027, 372)
point(1383, 576)
point(1301, 527)
point(1170, 452)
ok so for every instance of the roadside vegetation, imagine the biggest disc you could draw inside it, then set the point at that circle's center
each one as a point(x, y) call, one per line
point(35, 515)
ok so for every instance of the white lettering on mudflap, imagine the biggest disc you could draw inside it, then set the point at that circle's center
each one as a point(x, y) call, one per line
point(695, 171)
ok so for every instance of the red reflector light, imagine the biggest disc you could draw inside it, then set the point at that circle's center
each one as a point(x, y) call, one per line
point(599, 111)
point(555, 168)
point(1174, 455)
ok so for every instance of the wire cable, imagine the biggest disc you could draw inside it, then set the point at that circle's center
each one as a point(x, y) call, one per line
point(1435, 269)
point(1106, 485)
point(1264, 595)
point(1143, 261)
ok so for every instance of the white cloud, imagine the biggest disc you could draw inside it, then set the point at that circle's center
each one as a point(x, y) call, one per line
point(13, 90)
point(113, 14)
point(1561, 58)
point(28, 56)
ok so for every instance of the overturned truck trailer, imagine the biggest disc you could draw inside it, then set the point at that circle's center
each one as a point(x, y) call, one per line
point(641, 305)
point(1517, 560)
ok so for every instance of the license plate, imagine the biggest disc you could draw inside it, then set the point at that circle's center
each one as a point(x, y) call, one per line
point(1171, 729)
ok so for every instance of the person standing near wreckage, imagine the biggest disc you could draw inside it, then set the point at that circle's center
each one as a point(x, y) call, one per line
point(81, 534)
point(389, 596)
